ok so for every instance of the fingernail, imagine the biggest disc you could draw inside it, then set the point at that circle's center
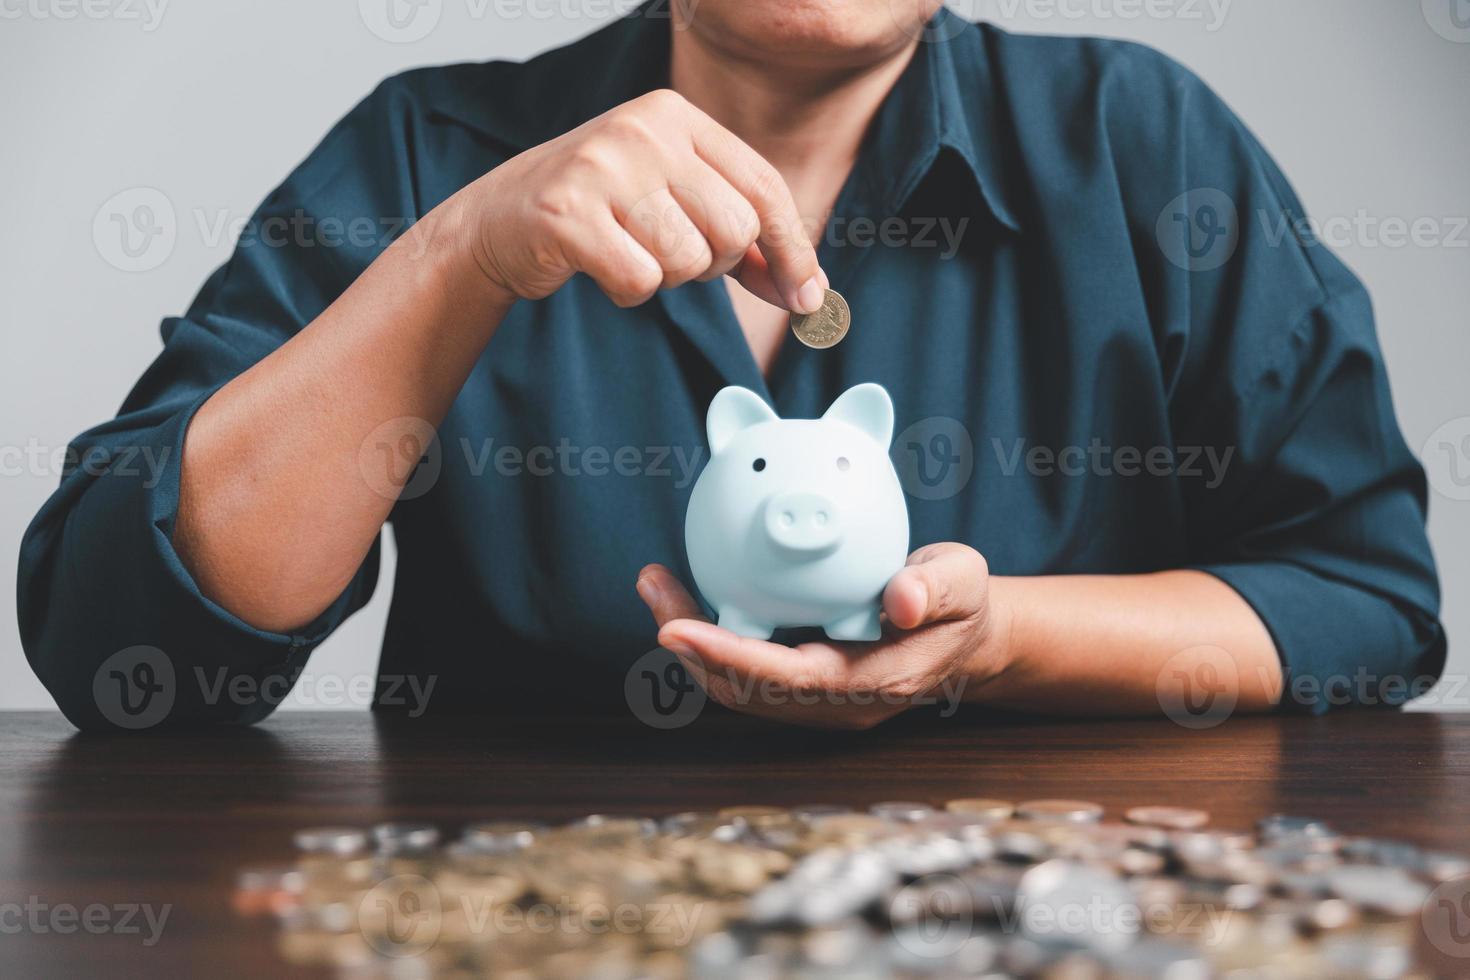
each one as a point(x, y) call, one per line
point(809, 297)
point(922, 591)
point(822, 275)
point(678, 646)
point(649, 591)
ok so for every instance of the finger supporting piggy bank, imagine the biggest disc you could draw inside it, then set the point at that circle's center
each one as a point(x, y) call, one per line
point(798, 522)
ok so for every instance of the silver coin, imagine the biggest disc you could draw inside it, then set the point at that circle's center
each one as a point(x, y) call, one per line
point(341, 841)
point(279, 879)
point(1019, 845)
point(816, 811)
point(1362, 956)
point(1070, 902)
point(1440, 867)
point(1387, 890)
point(501, 835)
point(399, 838)
point(619, 824)
point(1150, 958)
point(901, 812)
point(1280, 825)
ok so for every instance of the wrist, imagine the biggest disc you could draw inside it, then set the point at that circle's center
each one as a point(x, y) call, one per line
point(999, 652)
point(457, 252)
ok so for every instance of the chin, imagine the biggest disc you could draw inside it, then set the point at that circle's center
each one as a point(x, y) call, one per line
point(815, 33)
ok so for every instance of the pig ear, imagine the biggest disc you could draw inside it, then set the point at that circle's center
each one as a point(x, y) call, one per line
point(733, 409)
point(868, 407)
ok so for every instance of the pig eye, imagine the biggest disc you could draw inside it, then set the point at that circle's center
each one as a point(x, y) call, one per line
point(758, 465)
point(843, 464)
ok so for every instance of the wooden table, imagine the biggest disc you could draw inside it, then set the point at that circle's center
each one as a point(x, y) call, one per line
point(169, 819)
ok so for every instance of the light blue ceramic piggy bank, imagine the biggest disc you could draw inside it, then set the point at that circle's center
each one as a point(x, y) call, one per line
point(798, 522)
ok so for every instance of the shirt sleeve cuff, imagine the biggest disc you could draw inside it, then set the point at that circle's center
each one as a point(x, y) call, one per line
point(118, 586)
point(162, 509)
point(1320, 624)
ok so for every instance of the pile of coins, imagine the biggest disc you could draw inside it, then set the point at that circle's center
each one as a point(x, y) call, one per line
point(979, 887)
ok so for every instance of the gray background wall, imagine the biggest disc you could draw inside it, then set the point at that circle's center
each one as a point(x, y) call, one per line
point(210, 102)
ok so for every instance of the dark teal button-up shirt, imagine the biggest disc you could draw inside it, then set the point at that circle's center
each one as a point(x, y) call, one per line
point(1070, 264)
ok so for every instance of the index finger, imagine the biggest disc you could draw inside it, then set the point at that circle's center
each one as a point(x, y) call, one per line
point(783, 238)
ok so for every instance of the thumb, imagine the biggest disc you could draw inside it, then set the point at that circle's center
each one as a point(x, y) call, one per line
point(941, 582)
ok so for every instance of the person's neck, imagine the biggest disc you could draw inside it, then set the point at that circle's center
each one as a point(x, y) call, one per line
point(809, 123)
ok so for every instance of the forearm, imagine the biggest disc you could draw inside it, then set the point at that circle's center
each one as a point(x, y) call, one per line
point(1098, 644)
point(281, 495)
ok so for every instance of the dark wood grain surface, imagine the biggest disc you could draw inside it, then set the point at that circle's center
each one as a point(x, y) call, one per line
point(169, 819)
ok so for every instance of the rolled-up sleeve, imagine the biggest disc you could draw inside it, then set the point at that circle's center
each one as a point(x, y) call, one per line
point(1321, 525)
point(111, 620)
point(1317, 514)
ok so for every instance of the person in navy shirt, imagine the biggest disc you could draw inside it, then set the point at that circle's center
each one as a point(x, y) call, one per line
point(1145, 431)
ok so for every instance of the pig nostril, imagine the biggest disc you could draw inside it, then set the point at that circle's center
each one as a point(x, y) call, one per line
point(787, 518)
point(821, 518)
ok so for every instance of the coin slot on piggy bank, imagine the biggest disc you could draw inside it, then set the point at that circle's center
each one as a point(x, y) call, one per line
point(798, 522)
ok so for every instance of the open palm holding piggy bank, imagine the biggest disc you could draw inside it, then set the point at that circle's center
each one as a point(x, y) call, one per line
point(798, 522)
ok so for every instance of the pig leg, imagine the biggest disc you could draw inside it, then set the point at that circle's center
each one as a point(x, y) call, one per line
point(861, 625)
point(740, 624)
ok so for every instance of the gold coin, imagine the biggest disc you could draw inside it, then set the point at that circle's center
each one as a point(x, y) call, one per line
point(1168, 817)
point(1070, 811)
point(978, 807)
point(754, 812)
point(827, 326)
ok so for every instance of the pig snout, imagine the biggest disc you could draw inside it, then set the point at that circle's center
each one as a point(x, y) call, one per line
point(803, 523)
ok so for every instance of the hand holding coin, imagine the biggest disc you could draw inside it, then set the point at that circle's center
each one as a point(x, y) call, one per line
point(827, 326)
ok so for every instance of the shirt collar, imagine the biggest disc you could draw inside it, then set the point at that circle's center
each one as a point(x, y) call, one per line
point(945, 100)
